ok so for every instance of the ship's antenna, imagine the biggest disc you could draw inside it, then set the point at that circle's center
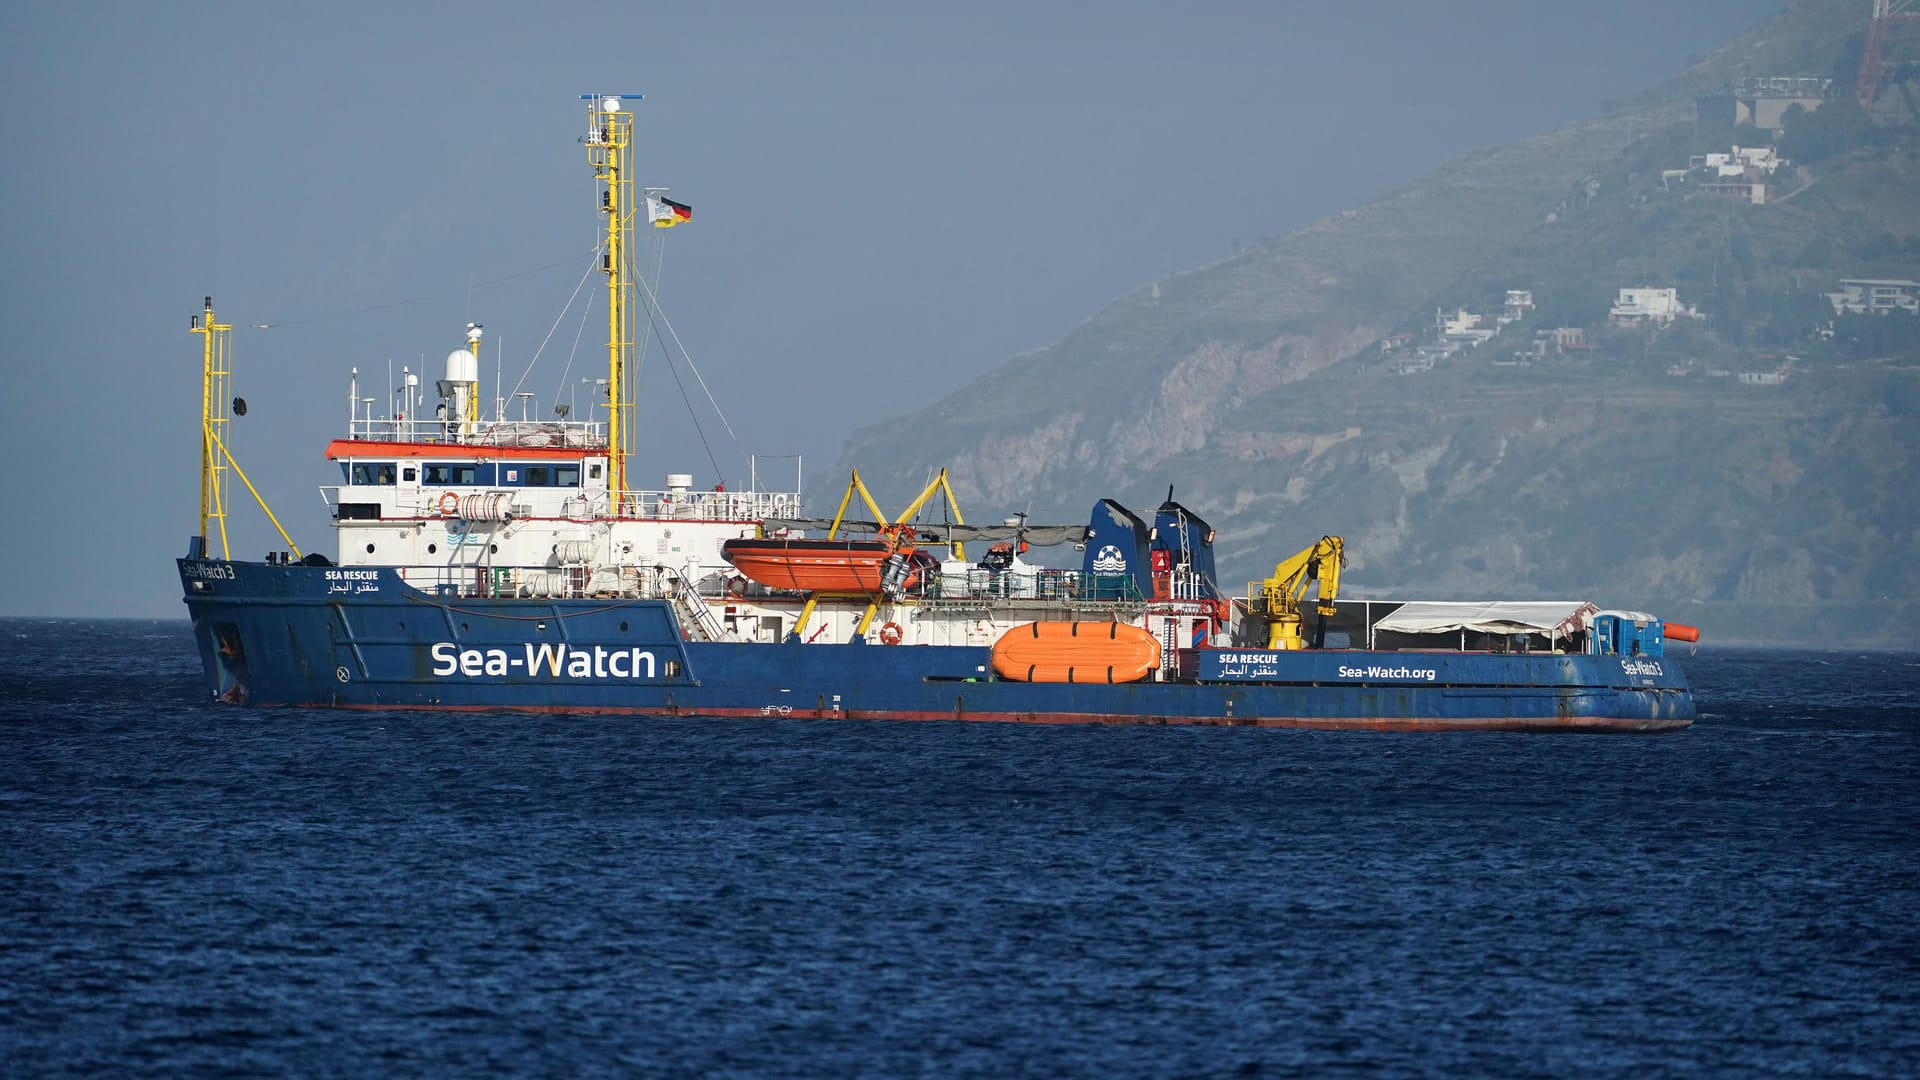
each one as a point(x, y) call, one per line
point(609, 151)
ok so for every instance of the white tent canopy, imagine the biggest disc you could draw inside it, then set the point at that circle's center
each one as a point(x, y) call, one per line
point(1493, 617)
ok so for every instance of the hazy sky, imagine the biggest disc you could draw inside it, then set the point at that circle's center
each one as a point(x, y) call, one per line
point(889, 199)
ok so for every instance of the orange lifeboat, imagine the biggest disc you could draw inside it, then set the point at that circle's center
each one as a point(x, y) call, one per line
point(832, 566)
point(1076, 652)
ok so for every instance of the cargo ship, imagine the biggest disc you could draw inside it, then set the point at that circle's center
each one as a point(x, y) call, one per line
point(483, 562)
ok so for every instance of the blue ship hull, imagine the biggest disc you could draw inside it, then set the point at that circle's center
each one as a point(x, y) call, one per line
point(295, 635)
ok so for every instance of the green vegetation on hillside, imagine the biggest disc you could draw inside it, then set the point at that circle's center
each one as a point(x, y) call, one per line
point(1749, 469)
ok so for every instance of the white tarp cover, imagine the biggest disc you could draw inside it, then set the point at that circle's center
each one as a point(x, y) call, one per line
point(1497, 617)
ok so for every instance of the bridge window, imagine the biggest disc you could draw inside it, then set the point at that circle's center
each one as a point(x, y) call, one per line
point(550, 474)
point(454, 472)
point(373, 472)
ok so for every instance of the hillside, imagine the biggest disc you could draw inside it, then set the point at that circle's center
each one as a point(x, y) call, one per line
point(1637, 468)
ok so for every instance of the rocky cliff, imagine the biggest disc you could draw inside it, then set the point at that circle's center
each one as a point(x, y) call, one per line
point(1640, 470)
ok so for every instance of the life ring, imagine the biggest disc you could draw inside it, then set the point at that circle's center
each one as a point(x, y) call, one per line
point(891, 634)
point(449, 503)
point(737, 586)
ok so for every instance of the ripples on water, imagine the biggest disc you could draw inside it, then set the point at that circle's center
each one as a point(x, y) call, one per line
point(186, 887)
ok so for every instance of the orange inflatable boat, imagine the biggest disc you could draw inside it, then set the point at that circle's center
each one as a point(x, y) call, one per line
point(1076, 652)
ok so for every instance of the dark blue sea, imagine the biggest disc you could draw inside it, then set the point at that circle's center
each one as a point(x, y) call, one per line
point(188, 888)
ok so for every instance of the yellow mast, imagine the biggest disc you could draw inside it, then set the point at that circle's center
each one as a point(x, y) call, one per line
point(216, 386)
point(470, 411)
point(609, 151)
point(215, 382)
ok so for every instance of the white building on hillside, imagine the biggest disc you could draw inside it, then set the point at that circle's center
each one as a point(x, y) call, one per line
point(1463, 328)
point(1763, 101)
point(1875, 296)
point(1642, 305)
point(1763, 160)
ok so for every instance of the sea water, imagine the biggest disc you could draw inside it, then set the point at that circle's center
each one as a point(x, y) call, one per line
point(192, 887)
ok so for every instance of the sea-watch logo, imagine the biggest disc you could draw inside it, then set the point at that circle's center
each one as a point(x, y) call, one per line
point(555, 661)
point(1108, 560)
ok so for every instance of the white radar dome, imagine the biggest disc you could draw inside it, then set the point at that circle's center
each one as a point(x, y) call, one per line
point(462, 366)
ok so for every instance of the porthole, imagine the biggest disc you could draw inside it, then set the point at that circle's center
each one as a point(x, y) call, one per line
point(623, 628)
point(493, 549)
point(431, 548)
point(463, 628)
point(369, 549)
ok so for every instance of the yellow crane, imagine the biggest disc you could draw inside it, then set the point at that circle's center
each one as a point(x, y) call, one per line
point(1278, 597)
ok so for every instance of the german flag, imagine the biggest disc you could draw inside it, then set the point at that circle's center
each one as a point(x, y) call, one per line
point(666, 213)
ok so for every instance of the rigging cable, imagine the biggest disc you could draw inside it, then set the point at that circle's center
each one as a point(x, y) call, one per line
point(592, 258)
point(302, 321)
point(586, 312)
point(653, 309)
point(640, 347)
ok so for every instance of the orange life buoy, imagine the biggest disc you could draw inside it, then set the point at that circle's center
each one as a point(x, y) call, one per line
point(737, 586)
point(891, 634)
point(449, 503)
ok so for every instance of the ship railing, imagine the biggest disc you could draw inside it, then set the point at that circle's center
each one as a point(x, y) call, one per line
point(582, 505)
point(1071, 588)
point(537, 582)
point(1038, 584)
point(973, 590)
point(680, 504)
point(555, 434)
point(686, 589)
point(1186, 586)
